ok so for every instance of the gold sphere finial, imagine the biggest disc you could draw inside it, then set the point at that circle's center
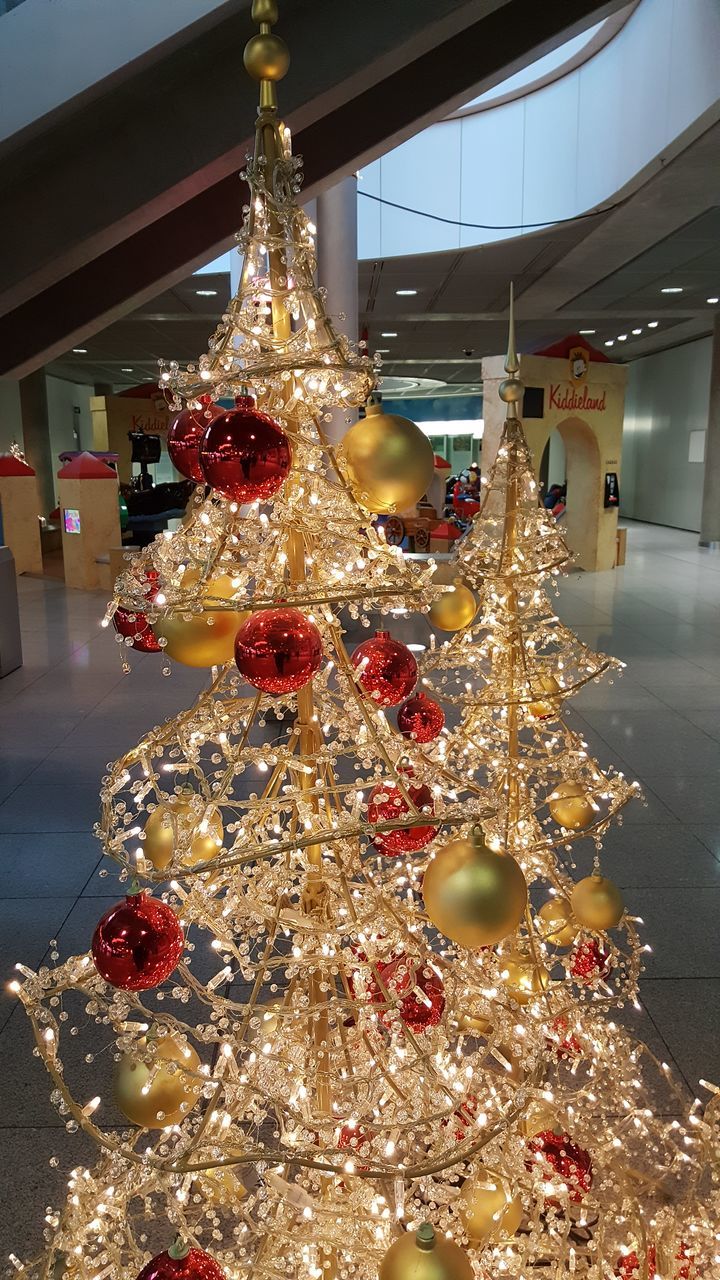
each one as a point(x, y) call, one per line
point(512, 389)
point(266, 57)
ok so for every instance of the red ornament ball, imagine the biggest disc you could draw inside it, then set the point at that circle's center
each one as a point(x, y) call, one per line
point(420, 719)
point(136, 627)
point(386, 803)
point(352, 1138)
point(137, 943)
point(278, 650)
point(386, 670)
point(590, 961)
point(193, 1264)
point(568, 1160)
point(627, 1266)
point(185, 433)
point(565, 1043)
point(244, 454)
point(463, 1117)
point(421, 989)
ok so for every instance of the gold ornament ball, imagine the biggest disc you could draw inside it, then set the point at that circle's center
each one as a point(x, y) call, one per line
point(171, 826)
point(455, 609)
point(570, 807)
point(472, 895)
point(206, 639)
point(423, 1255)
point(390, 463)
point(266, 57)
point(142, 1091)
point(539, 1116)
point(559, 928)
point(597, 903)
point(543, 708)
point(523, 978)
point(488, 1208)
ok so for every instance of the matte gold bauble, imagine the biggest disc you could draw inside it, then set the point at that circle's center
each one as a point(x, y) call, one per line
point(597, 903)
point(454, 609)
point(171, 826)
point(488, 1209)
point(538, 1117)
point(266, 57)
point(389, 461)
point(472, 895)
point(423, 1255)
point(570, 807)
point(206, 639)
point(559, 928)
point(523, 979)
point(153, 1097)
point(545, 708)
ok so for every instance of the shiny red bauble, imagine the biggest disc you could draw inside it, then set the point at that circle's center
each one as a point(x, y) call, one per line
point(565, 1043)
point(244, 454)
point(627, 1267)
point(278, 650)
point(138, 943)
point(590, 961)
point(566, 1159)
point(420, 718)
point(352, 1138)
point(421, 990)
point(136, 627)
point(463, 1117)
point(386, 670)
point(185, 433)
point(195, 1264)
point(387, 804)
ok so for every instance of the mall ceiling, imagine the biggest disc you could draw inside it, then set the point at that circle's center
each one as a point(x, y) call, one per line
point(123, 192)
point(604, 274)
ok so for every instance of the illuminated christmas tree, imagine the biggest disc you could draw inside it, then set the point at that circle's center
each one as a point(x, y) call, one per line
point(307, 1052)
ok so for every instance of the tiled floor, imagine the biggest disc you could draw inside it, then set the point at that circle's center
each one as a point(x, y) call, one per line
point(69, 710)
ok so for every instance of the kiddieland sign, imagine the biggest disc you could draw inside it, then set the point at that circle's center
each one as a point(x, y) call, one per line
point(573, 398)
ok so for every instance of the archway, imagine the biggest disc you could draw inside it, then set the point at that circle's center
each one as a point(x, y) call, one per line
point(582, 466)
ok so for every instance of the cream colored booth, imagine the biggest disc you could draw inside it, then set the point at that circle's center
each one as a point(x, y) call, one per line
point(89, 520)
point(578, 392)
point(114, 416)
point(20, 511)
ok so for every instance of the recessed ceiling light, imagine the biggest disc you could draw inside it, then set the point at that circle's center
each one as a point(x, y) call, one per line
point(405, 293)
point(80, 351)
point(394, 335)
point(653, 324)
point(416, 648)
point(622, 337)
point(382, 351)
point(586, 330)
point(610, 342)
point(712, 301)
point(126, 370)
point(674, 288)
point(637, 331)
point(206, 293)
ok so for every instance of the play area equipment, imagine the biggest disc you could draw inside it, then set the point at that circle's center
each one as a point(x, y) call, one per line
point(574, 389)
point(19, 513)
point(89, 519)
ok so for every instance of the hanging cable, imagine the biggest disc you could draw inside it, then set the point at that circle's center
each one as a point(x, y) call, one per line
point(489, 226)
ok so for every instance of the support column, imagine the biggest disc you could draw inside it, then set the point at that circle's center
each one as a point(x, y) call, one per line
point(710, 518)
point(337, 238)
point(36, 437)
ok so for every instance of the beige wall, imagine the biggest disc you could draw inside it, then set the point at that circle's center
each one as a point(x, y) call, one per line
point(592, 436)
